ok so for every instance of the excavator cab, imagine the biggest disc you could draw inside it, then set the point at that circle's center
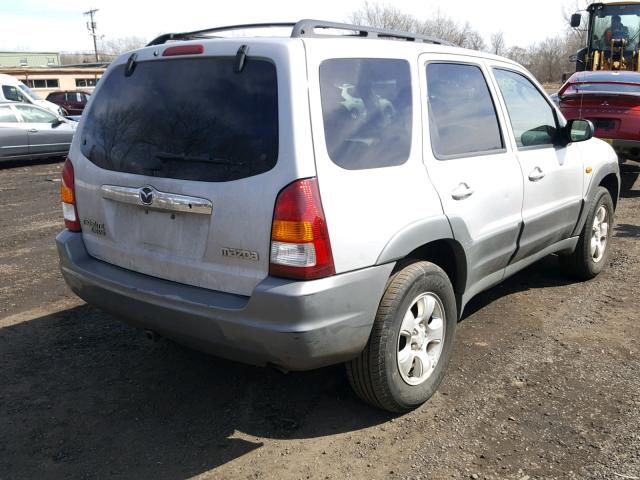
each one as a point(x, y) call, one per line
point(613, 33)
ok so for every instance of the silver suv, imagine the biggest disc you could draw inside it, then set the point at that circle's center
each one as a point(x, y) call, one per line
point(338, 195)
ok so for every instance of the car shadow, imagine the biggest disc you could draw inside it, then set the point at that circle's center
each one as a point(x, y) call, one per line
point(629, 173)
point(83, 395)
point(626, 230)
point(5, 165)
point(545, 273)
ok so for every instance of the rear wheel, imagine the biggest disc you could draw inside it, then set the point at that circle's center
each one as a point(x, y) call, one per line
point(592, 252)
point(411, 341)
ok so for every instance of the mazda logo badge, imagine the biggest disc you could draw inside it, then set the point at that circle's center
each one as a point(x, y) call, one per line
point(146, 195)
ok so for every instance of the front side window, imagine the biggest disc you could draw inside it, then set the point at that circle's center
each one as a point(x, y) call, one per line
point(35, 115)
point(12, 93)
point(7, 115)
point(462, 116)
point(367, 112)
point(531, 116)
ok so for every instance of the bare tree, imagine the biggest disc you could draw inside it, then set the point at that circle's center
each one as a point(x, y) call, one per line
point(383, 16)
point(438, 25)
point(116, 46)
point(475, 41)
point(498, 45)
point(520, 55)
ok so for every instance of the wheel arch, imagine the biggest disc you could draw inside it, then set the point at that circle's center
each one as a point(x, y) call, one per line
point(611, 183)
point(430, 240)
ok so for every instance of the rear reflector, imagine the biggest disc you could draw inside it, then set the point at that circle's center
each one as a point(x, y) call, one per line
point(300, 247)
point(183, 50)
point(68, 198)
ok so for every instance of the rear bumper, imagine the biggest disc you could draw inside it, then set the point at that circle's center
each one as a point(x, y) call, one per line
point(294, 325)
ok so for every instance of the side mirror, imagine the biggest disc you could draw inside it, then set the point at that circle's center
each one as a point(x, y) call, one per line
point(57, 122)
point(579, 130)
point(576, 19)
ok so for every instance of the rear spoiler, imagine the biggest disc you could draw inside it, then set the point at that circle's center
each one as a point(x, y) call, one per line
point(563, 93)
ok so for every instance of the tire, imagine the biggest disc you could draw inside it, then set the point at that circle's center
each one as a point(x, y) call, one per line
point(388, 374)
point(583, 263)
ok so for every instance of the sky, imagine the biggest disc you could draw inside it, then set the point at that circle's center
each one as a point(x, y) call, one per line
point(59, 25)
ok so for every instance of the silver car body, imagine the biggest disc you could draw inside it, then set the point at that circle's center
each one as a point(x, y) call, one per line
point(167, 270)
point(27, 131)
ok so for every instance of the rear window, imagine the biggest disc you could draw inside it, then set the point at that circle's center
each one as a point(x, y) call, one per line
point(189, 119)
point(366, 106)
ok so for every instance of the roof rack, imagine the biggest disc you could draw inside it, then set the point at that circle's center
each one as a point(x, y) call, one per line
point(306, 28)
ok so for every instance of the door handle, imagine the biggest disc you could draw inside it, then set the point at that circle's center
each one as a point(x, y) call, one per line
point(462, 191)
point(536, 174)
point(33, 130)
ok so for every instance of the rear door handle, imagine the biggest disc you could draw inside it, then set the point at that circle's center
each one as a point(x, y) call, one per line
point(536, 174)
point(462, 191)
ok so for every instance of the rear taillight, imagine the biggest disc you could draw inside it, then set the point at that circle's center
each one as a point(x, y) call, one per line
point(300, 247)
point(68, 198)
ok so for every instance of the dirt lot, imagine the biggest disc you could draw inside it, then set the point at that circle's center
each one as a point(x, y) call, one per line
point(544, 382)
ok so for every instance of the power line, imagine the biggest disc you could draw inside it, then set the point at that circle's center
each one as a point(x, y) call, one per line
point(91, 26)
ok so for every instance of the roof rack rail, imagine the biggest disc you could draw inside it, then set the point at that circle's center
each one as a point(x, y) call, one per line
point(306, 28)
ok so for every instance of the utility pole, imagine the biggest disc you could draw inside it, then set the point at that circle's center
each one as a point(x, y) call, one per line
point(91, 26)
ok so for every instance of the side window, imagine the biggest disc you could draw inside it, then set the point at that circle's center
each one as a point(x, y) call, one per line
point(12, 93)
point(367, 112)
point(532, 118)
point(7, 115)
point(35, 115)
point(462, 116)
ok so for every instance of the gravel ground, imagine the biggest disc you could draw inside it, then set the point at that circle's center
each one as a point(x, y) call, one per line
point(544, 381)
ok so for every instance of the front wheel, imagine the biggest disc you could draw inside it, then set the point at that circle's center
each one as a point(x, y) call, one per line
point(411, 340)
point(592, 252)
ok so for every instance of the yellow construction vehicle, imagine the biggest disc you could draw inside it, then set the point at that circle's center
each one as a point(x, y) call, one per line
point(612, 38)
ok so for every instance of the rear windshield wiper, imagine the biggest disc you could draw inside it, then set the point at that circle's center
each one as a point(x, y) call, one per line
point(194, 158)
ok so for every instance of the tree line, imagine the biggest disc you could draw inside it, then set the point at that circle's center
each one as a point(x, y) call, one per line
point(547, 59)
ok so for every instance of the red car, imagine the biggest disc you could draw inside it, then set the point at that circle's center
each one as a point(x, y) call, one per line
point(72, 101)
point(611, 100)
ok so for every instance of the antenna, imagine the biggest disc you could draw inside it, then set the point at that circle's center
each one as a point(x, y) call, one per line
point(91, 26)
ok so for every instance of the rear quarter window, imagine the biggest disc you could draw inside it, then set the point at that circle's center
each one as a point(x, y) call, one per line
point(189, 119)
point(367, 111)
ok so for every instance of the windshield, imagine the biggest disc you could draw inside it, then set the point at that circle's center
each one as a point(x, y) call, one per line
point(613, 22)
point(30, 93)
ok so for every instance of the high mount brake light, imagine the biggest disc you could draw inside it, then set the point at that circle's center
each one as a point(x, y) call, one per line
point(183, 50)
point(300, 246)
point(68, 198)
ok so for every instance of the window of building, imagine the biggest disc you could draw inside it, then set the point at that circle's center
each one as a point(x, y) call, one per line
point(51, 61)
point(86, 82)
point(43, 83)
point(23, 62)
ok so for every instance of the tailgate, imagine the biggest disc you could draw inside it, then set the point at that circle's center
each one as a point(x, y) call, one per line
point(178, 163)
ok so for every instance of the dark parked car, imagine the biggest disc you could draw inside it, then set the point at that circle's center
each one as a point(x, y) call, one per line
point(72, 101)
point(27, 131)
